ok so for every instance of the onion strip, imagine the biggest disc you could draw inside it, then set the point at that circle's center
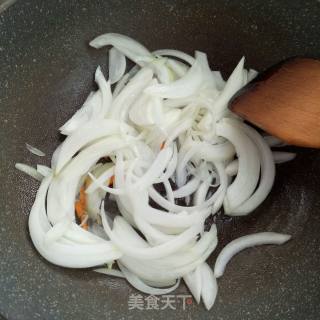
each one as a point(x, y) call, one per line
point(245, 242)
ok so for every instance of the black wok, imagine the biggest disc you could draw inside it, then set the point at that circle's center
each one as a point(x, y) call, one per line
point(46, 71)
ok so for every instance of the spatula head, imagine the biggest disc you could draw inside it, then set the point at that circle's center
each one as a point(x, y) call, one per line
point(285, 102)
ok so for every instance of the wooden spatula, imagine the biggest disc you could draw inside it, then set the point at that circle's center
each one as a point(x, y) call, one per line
point(285, 102)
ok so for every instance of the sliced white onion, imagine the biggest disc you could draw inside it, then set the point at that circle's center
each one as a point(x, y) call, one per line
point(176, 265)
point(44, 170)
point(281, 156)
point(245, 242)
point(156, 169)
point(55, 156)
point(234, 83)
point(166, 123)
point(110, 272)
point(35, 151)
point(106, 95)
point(232, 168)
point(193, 280)
point(129, 47)
point(88, 133)
point(252, 74)
point(179, 68)
point(175, 53)
point(117, 65)
point(209, 286)
point(105, 176)
point(57, 231)
point(267, 171)
point(120, 85)
point(32, 172)
point(278, 157)
point(169, 192)
point(187, 189)
point(216, 152)
point(249, 166)
point(153, 252)
point(197, 209)
point(201, 193)
point(220, 83)
point(274, 141)
point(122, 103)
point(64, 187)
point(71, 256)
point(137, 283)
point(90, 109)
point(147, 110)
point(181, 88)
point(161, 70)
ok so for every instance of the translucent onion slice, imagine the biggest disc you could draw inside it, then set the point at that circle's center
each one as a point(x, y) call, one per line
point(73, 255)
point(193, 280)
point(57, 231)
point(166, 122)
point(151, 233)
point(34, 150)
point(216, 152)
point(181, 88)
point(139, 284)
point(154, 252)
point(208, 78)
point(110, 272)
point(178, 103)
point(220, 83)
point(117, 65)
point(234, 83)
point(245, 242)
point(201, 193)
point(169, 192)
point(178, 67)
point(203, 151)
point(129, 47)
point(176, 265)
point(123, 229)
point(201, 207)
point(120, 85)
point(163, 73)
point(89, 109)
point(63, 189)
point(252, 74)
point(249, 165)
point(175, 53)
point(209, 286)
point(88, 133)
point(267, 171)
point(122, 103)
point(55, 156)
point(232, 168)
point(95, 107)
point(105, 176)
point(44, 170)
point(273, 141)
point(147, 110)
point(278, 157)
point(106, 94)
point(32, 172)
point(281, 156)
point(188, 189)
point(155, 170)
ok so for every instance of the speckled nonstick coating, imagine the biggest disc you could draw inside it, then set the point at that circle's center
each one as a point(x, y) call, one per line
point(46, 70)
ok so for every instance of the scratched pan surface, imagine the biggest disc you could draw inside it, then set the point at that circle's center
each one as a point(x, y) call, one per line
point(46, 71)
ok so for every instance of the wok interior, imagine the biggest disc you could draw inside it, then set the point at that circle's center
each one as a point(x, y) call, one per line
point(47, 69)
